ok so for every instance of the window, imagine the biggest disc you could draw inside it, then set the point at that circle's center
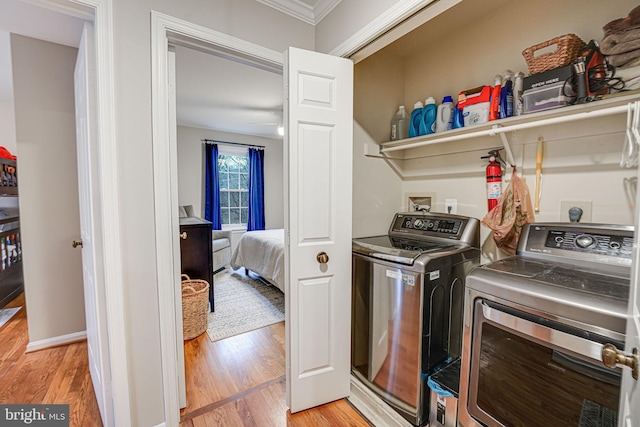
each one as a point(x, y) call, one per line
point(233, 172)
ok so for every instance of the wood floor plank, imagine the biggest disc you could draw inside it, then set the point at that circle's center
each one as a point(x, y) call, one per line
point(238, 381)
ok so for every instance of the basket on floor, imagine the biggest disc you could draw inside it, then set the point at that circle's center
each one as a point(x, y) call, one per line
point(569, 47)
point(195, 307)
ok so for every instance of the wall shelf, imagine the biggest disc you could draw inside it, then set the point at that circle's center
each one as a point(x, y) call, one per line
point(601, 108)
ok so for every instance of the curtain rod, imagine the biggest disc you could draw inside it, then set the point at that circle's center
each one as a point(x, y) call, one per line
point(232, 143)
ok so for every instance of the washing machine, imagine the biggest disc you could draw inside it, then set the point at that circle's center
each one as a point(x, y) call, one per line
point(408, 290)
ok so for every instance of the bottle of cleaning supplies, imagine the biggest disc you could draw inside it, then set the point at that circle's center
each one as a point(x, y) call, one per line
point(400, 125)
point(518, 102)
point(494, 106)
point(416, 119)
point(429, 113)
point(458, 117)
point(506, 96)
point(444, 120)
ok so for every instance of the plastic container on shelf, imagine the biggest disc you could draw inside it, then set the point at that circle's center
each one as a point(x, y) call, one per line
point(444, 119)
point(429, 113)
point(416, 118)
point(545, 98)
point(400, 125)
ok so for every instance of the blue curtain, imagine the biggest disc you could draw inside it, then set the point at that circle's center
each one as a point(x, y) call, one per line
point(212, 187)
point(256, 190)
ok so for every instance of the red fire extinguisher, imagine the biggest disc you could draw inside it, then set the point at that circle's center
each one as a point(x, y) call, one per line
point(494, 178)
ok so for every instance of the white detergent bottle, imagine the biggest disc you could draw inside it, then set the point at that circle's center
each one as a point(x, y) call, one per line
point(444, 118)
point(400, 125)
point(518, 107)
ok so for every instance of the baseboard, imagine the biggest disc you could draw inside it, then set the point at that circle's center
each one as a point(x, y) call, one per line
point(56, 341)
point(378, 412)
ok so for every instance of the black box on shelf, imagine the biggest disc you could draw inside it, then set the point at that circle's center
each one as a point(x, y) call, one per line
point(549, 77)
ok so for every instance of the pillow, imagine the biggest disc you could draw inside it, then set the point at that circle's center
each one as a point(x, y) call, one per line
point(185, 211)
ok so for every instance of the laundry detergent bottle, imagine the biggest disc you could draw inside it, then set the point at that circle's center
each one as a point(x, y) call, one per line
point(416, 119)
point(494, 105)
point(400, 125)
point(444, 119)
point(429, 113)
point(506, 96)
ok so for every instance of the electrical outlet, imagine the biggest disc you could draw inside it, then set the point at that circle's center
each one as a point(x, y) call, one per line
point(565, 205)
point(451, 206)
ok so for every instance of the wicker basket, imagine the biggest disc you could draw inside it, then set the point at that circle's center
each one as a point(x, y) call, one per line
point(195, 307)
point(569, 48)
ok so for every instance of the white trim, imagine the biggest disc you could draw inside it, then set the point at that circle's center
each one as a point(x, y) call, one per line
point(375, 410)
point(56, 341)
point(393, 16)
point(108, 168)
point(294, 8)
point(163, 28)
point(302, 11)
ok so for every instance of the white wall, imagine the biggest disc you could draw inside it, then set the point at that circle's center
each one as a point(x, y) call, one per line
point(46, 140)
point(245, 19)
point(346, 19)
point(191, 170)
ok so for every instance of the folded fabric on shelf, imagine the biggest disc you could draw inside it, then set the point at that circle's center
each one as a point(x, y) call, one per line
point(630, 76)
point(623, 58)
point(620, 25)
point(615, 44)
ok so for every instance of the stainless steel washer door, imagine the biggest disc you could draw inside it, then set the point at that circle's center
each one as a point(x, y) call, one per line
point(387, 334)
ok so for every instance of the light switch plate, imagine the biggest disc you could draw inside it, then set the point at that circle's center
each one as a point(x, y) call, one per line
point(585, 205)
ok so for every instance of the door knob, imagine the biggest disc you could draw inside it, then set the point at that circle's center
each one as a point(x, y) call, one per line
point(612, 357)
point(183, 235)
point(76, 243)
point(322, 257)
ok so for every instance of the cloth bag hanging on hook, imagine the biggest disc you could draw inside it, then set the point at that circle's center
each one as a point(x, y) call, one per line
point(513, 211)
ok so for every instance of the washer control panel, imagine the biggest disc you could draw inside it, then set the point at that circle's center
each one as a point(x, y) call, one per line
point(445, 226)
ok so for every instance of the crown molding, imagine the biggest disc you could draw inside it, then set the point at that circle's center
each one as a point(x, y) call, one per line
point(310, 14)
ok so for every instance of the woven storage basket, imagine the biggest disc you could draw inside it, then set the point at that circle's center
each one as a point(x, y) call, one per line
point(195, 307)
point(569, 47)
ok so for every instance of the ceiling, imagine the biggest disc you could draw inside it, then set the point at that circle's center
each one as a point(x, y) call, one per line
point(220, 94)
point(212, 92)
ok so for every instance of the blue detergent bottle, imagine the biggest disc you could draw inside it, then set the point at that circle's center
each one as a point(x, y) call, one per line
point(506, 96)
point(429, 114)
point(416, 119)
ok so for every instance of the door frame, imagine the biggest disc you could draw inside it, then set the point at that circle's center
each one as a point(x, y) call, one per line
point(165, 29)
point(100, 13)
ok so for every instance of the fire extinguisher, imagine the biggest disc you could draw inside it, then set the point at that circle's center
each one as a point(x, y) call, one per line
point(494, 178)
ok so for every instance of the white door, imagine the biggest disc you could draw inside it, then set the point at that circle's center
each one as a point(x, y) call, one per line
point(629, 411)
point(173, 136)
point(318, 152)
point(94, 297)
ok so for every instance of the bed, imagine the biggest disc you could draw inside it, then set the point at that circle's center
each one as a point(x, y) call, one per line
point(263, 253)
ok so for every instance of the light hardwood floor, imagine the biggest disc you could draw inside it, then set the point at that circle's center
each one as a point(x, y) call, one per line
point(238, 381)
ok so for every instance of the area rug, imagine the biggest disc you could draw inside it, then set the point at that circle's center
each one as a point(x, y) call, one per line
point(6, 314)
point(242, 304)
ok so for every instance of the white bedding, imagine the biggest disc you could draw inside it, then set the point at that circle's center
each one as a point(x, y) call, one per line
point(263, 253)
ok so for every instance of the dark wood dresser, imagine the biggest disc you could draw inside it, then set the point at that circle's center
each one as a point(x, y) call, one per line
point(195, 251)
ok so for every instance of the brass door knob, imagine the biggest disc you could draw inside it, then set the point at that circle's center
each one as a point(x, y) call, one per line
point(611, 357)
point(76, 243)
point(322, 257)
point(183, 235)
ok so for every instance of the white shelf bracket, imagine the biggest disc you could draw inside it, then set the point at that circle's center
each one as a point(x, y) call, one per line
point(505, 143)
